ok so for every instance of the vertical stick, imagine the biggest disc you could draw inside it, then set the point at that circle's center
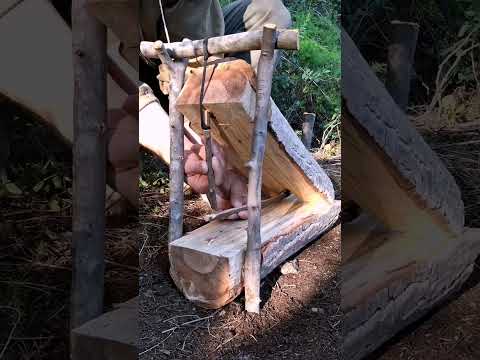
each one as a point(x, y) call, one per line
point(307, 129)
point(262, 116)
point(89, 163)
point(176, 152)
point(177, 71)
point(211, 195)
point(401, 53)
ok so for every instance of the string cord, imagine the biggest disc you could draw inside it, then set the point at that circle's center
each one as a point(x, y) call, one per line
point(164, 22)
point(203, 123)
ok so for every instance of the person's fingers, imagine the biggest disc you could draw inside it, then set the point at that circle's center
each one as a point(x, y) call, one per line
point(198, 149)
point(223, 204)
point(199, 183)
point(194, 165)
point(122, 140)
point(238, 190)
point(243, 215)
point(218, 171)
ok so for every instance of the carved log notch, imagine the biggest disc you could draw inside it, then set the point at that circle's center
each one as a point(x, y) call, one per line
point(409, 249)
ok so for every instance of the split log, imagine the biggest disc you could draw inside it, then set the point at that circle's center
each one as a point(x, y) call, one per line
point(395, 279)
point(230, 98)
point(386, 158)
point(401, 54)
point(89, 164)
point(251, 271)
point(409, 250)
point(287, 39)
point(207, 263)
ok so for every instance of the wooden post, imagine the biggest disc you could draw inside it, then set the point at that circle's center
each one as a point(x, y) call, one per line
point(263, 113)
point(89, 163)
point(401, 54)
point(177, 71)
point(307, 129)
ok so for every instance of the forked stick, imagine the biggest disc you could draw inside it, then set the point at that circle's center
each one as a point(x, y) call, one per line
point(177, 71)
point(263, 113)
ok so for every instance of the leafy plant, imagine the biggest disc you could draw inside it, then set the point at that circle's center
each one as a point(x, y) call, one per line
point(311, 77)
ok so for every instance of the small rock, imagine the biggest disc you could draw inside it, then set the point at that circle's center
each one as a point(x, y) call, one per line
point(318, 310)
point(290, 267)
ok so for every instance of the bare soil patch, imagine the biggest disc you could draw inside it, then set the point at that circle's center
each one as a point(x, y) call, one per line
point(300, 316)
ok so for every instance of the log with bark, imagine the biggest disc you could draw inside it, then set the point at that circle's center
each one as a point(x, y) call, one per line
point(409, 250)
point(230, 98)
point(207, 263)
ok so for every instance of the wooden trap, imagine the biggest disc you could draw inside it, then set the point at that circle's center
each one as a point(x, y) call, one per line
point(207, 263)
point(212, 264)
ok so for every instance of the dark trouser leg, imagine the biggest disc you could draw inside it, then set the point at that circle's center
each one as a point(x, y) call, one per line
point(233, 16)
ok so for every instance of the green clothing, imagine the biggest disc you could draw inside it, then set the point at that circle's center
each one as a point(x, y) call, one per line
point(192, 19)
point(135, 20)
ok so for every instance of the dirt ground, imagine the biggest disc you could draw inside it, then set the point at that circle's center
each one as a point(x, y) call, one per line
point(35, 245)
point(35, 279)
point(300, 316)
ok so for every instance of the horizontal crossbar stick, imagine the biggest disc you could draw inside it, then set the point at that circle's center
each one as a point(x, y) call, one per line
point(222, 215)
point(287, 39)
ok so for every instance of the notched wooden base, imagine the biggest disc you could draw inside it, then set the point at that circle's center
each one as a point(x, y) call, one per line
point(207, 263)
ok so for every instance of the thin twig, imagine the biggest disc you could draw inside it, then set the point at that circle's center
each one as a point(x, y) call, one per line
point(222, 215)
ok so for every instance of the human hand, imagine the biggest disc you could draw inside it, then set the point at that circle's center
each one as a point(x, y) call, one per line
point(231, 188)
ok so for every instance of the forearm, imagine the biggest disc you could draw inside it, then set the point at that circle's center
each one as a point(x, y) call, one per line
point(154, 131)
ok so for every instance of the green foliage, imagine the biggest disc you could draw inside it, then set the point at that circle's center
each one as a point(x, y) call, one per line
point(309, 80)
point(154, 173)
